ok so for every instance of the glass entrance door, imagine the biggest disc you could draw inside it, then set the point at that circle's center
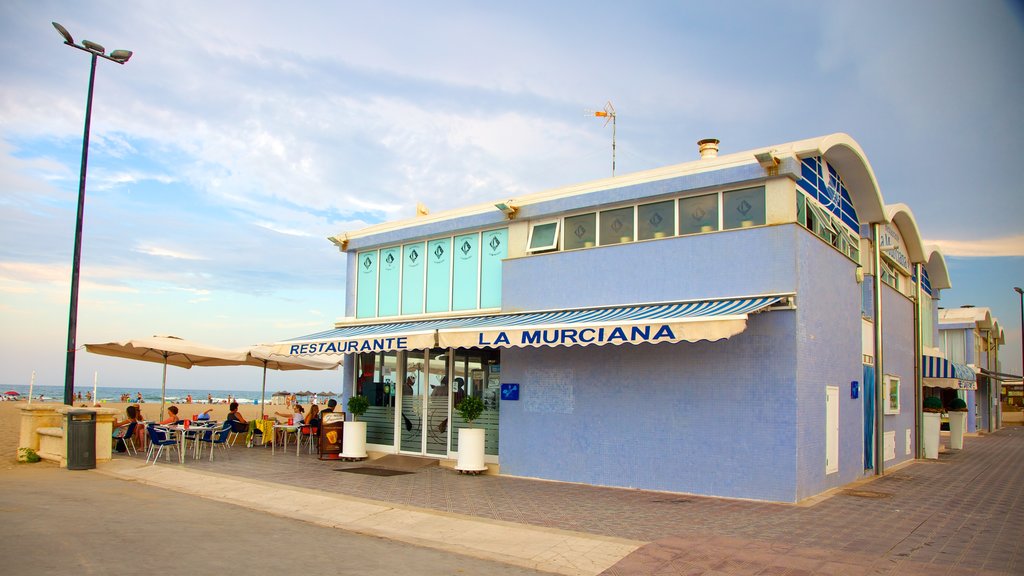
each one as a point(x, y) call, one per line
point(425, 403)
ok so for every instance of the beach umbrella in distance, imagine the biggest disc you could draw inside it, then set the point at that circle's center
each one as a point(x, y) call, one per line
point(327, 394)
point(169, 350)
point(12, 393)
point(265, 356)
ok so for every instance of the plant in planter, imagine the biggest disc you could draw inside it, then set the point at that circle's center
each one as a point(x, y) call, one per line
point(470, 409)
point(353, 443)
point(357, 406)
point(932, 408)
point(471, 440)
point(957, 423)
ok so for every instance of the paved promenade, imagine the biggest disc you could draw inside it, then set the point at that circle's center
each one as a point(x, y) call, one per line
point(962, 514)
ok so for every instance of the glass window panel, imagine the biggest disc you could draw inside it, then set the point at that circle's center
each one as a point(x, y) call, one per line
point(413, 258)
point(580, 231)
point(390, 265)
point(617, 226)
point(743, 208)
point(655, 220)
point(477, 372)
point(465, 272)
point(543, 236)
point(698, 214)
point(366, 285)
point(376, 375)
point(493, 251)
point(439, 275)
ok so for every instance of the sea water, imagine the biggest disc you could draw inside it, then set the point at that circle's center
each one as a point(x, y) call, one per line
point(149, 395)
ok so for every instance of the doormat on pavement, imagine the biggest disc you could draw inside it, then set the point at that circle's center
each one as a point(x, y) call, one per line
point(372, 471)
point(866, 494)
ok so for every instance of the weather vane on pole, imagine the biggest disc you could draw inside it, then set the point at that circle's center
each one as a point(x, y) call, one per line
point(609, 115)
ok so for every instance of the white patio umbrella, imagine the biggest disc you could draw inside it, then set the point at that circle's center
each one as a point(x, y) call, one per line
point(264, 356)
point(170, 350)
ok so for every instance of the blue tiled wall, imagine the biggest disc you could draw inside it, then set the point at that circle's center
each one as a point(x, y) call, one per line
point(743, 417)
point(898, 359)
point(828, 343)
point(712, 418)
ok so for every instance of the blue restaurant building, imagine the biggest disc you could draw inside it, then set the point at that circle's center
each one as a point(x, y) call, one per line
point(713, 327)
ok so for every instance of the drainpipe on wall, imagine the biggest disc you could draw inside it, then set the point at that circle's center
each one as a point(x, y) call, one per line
point(876, 258)
point(919, 313)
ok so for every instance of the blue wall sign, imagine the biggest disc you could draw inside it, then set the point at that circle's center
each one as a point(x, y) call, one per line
point(854, 389)
point(510, 391)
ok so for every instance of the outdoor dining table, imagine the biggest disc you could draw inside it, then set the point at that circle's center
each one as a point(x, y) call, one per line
point(181, 430)
point(287, 429)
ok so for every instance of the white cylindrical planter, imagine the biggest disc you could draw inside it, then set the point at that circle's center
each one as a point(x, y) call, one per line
point(957, 423)
point(471, 450)
point(353, 440)
point(932, 422)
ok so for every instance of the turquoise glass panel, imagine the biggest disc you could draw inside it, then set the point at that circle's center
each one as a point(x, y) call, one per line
point(366, 285)
point(439, 275)
point(388, 287)
point(414, 258)
point(494, 249)
point(465, 271)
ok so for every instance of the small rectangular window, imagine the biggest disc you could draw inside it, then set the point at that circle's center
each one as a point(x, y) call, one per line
point(743, 208)
point(580, 231)
point(891, 393)
point(543, 236)
point(656, 220)
point(616, 226)
point(698, 214)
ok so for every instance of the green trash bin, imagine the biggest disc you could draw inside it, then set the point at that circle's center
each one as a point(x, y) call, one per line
point(81, 439)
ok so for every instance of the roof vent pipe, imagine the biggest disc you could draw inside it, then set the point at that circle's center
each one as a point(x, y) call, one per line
point(708, 148)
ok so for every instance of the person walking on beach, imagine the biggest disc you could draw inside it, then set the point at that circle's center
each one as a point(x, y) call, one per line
point(138, 397)
point(209, 398)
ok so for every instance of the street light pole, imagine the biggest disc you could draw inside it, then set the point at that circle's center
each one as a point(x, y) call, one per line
point(120, 57)
point(1020, 292)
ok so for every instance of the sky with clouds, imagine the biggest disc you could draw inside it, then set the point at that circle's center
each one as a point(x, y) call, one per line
point(241, 134)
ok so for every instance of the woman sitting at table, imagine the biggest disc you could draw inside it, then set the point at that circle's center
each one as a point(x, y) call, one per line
point(118, 424)
point(172, 416)
point(295, 417)
point(234, 415)
point(205, 415)
point(132, 413)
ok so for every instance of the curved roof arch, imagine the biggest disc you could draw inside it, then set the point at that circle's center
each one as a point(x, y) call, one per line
point(938, 273)
point(901, 216)
point(848, 158)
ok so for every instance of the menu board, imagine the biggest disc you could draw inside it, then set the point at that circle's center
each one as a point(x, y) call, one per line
point(332, 429)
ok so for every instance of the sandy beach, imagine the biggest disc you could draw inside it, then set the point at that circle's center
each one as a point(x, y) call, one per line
point(10, 419)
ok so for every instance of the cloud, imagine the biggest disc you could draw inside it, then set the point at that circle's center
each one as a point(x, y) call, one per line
point(167, 253)
point(982, 248)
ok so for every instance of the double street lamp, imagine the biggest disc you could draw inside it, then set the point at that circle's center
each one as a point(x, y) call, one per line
point(120, 57)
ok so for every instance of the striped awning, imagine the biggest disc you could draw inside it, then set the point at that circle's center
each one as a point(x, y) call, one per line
point(678, 322)
point(942, 373)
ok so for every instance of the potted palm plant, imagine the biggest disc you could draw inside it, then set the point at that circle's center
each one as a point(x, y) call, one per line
point(957, 423)
point(353, 442)
point(932, 408)
point(471, 440)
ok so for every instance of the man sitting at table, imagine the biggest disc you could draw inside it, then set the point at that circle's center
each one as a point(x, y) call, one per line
point(172, 416)
point(330, 406)
point(205, 415)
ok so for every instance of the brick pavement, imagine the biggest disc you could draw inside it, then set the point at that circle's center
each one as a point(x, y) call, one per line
point(962, 514)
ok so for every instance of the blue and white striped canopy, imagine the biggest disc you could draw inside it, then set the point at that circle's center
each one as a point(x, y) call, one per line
point(683, 321)
point(942, 373)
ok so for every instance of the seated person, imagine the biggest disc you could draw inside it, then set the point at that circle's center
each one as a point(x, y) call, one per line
point(331, 404)
point(205, 415)
point(234, 414)
point(172, 416)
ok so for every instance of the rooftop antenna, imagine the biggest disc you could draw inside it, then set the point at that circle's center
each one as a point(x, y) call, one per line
point(609, 116)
